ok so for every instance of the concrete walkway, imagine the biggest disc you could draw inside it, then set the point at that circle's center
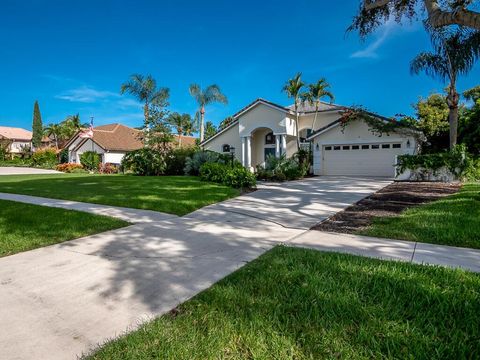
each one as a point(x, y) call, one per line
point(59, 301)
point(7, 170)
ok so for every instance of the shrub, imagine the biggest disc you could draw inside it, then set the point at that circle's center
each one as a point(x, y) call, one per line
point(193, 163)
point(69, 167)
point(63, 156)
point(3, 151)
point(237, 177)
point(90, 160)
point(281, 169)
point(108, 168)
point(46, 158)
point(175, 160)
point(144, 162)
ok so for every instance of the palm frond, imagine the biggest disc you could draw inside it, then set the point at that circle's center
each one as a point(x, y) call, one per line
point(434, 65)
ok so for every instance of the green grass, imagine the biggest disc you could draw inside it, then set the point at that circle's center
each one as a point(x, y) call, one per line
point(302, 304)
point(177, 195)
point(26, 227)
point(454, 220)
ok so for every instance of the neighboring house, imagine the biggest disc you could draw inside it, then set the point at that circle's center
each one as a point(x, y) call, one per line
point(112, 142)
point(15, 139)
point(263, 128)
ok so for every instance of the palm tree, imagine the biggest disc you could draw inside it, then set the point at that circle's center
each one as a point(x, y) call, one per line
point(292, 88)
point(455, 54)
point(314, 95)
point(181, 123)
point(210, 129)
point(54, 130)
point(206, 97)
point(144, 88)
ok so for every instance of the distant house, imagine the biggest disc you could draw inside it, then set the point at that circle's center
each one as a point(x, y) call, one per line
point(112, 142)
point(15, 139)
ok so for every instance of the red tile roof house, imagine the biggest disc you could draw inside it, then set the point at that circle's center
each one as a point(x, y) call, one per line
point(112, 142)
point(16, 139)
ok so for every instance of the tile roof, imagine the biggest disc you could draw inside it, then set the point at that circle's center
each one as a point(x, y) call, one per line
point(15, 133)
point(117, 137)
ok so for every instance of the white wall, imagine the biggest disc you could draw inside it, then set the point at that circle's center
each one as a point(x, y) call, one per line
point(87, 146)
point(230, 137)
point(258, 146)
point(113, 157)
point(263, 116)
point(16, 146)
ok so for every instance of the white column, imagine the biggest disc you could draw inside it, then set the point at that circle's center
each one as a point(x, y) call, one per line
point(284, 144)
point(243, 151)
point(249, 152)
point(277, 146)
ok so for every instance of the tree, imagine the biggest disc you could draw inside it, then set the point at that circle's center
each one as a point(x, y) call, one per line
point(292, 88)
point(144, 89)
point(226, 122)
point(455, 54)
point(181, 123)
point(37, 127)
point(469, 122)
point(439, 13)
point(432, 114)
point(54, 130)
point(210, 95)
point(314, 95)
point(210, 129)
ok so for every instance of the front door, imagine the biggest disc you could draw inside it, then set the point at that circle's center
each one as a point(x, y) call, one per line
point(268, 152)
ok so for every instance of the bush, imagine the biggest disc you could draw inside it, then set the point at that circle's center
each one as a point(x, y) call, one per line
point(237, 177)
point(281, 169)
point(176, 159)
point(144, 162)
point(63, 156)
point(46, 158)
point(108, 168)
point(90, 160)
point(69, 168)
point(194, 163)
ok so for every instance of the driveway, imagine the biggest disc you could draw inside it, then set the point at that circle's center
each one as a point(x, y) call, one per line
point(5, 170)
point(59, 301)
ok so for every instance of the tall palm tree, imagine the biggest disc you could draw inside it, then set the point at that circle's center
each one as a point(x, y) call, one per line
point(314, 95)
point(54, 130)
point(209, 95)
point(454, 55)
point(292, 88)
point(181, 123)
point(144, 88)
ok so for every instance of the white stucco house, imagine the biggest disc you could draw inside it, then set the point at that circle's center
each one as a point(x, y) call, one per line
point(264, 128)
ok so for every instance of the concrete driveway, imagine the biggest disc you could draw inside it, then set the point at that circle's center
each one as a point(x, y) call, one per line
point(4, 170)
point(59, 301)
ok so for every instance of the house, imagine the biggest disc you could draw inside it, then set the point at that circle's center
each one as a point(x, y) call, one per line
point(112, 142)
point(17, 140)
point(264, 128)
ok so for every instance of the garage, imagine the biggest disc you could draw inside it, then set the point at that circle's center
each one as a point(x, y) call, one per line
point(373, 159)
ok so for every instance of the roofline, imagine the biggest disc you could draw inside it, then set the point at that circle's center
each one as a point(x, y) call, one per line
point(235, 122)
point(261, 101)
point(85, 140)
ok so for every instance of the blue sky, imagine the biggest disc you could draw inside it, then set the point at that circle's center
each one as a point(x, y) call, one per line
point(73, 56)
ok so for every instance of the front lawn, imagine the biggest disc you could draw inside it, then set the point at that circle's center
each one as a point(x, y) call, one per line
point(177, 195)
point(303, 304)
point(453, 220)
point(25, 227)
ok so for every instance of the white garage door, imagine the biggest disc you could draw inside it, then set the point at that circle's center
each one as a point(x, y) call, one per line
point(376, 159)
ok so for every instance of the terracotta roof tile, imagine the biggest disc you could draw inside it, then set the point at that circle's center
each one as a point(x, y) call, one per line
point(15, 133)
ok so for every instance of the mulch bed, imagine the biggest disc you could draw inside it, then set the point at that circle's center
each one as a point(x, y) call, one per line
point(389, 201)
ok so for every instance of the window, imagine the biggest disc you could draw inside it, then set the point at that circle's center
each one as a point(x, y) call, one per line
point(375, 146)
point(346, 147)
point(226, 148)
point(365, 147)
point(328, 148)
point(269, 138)
point(385, 146)
point(336, 148)
point(396, 146)
point(355, 147)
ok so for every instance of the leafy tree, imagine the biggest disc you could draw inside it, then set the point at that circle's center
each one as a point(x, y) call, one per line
point(181, 123)
point(455, 54)
point(439, 13)
point(55, 130)
point(144, 89)
point(469, 124)
point(210, 129)
point(37, 127)
point(292, 88)
point(157, 131)
point(314, 95)
point(204, 97)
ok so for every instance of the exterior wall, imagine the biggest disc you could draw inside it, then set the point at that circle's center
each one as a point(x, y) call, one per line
point(258, 146)
point(230, 137)
point(291, 146)
point(113, 157)
point(355, 133)
point(323, 119)
point(16, 146)
point(263, 116)
point(72, 156)
point(87, 146)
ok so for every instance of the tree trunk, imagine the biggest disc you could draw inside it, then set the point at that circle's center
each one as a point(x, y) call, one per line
point(202, 128)
point(452, 101)
point(56, 141)
point(315, 118)
point(179, 133)
point(146, 113)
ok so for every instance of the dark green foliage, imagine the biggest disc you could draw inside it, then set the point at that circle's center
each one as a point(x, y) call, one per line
point(175, 160)
point(37, 127)
point(44, 158)
point(236, 176)
point(301, 304)
point(193, 163)
point(90, 160)
point(145, 162)
point(63, 156)
point(281, 169)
